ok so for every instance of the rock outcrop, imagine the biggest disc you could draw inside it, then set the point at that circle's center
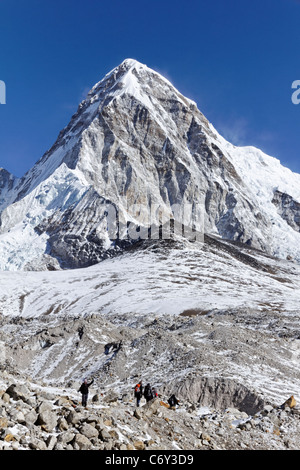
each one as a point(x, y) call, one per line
point(288, 208)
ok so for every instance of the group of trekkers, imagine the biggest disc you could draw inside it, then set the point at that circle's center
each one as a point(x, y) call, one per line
point(148, 392)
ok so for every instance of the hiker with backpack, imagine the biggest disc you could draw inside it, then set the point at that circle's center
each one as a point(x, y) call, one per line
point(148, 393)
point(84, 390)
point(173, 401)
point(138, 392)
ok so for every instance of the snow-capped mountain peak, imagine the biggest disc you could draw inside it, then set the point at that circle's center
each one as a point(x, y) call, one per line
point(136, 143)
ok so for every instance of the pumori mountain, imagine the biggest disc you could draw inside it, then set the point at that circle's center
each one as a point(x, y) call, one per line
point(136, 143)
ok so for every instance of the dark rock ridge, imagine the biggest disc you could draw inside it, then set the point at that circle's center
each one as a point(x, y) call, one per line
point(288, 208)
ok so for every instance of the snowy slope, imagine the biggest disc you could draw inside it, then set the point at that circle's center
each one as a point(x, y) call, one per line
point(20, 244)
point(219, 310)
point(156, 283)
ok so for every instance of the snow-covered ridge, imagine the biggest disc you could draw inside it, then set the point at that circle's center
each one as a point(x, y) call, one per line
point(131, 68)
point(20, 244)
point(263, 173)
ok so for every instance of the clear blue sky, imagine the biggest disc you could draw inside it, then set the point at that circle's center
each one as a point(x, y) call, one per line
point(236, 58)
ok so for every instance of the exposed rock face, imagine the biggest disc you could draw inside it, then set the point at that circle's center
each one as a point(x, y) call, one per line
point(288, 208)
point(7, 182)
point(135, 145)
point(6, 179)
point(75, 236)
point(219, 393)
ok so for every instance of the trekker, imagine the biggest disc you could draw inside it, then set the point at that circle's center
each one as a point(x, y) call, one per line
point(173, 401)
point(84, 389)
point(138, 392)
point(154, 392)
point(148, 393)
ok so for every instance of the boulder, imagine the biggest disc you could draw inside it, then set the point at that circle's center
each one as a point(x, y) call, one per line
point(48, 420)
point(151, 407)
point(18, 392)
point(138, 413)
point(19, 417)
point(82, 442)
point(104, 435)
point(3, 423)
point(74, 417)
point(89, 431)
point(65, 437)
point(30, 417)
point(289, 403)
point(5, 398)
point(62, 424)
point(111, 397)
point(51, 442)
point(139, 445)
point(37, 444)
point(44, 406)
point(9, 437)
